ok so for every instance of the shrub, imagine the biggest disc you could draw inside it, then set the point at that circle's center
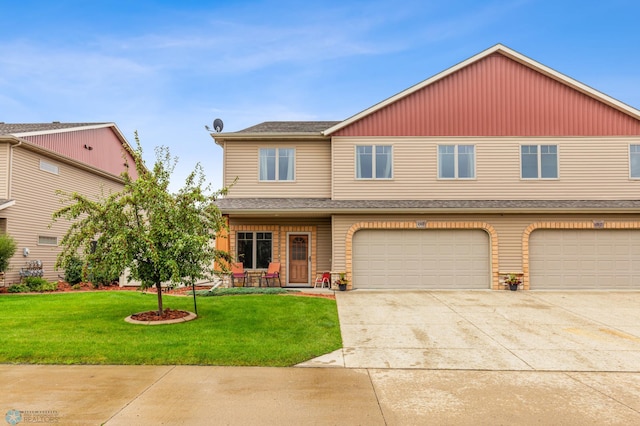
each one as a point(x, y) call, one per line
point(73, 270)
point(99, 275)
point(39, 284)
point(19, 288)
point(7, 250)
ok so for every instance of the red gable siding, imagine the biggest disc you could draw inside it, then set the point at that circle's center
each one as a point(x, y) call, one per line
point(106, 151)
point(495, 96)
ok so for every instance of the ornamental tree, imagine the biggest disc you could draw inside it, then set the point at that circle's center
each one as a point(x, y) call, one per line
point(158, 236)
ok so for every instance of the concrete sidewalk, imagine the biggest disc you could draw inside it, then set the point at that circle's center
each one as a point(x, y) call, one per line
point(191, 395)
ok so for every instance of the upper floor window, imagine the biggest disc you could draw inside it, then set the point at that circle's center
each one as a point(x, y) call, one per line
point(634, 161)
point(277, 164)
point(539, 161)
point(48, 167)
point(456, 162)
point(254, 249)
point(374, 162)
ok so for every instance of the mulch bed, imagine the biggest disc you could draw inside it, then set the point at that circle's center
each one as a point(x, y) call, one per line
point(167, 314)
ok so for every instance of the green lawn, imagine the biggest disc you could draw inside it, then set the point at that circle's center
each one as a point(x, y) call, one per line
point(89, 328)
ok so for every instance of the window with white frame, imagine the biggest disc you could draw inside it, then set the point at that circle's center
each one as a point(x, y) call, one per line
point(539, 161)
point(634, 161)
point(456, 162)
point(277, 164)
point(49, 167)
point(44, 240)
point(254, 249)
point(374, 162)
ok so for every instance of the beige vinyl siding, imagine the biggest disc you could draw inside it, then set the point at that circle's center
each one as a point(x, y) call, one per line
point(509, 229)
point(312, 170)
point(5, 168)
point(36, 200)
point(589, 168)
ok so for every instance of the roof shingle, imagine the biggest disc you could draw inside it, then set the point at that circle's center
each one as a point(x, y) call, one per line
point(290, 127)
point(17, 128)
point(327, 205)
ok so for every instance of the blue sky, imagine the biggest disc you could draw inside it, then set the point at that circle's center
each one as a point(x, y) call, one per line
point(168, 68)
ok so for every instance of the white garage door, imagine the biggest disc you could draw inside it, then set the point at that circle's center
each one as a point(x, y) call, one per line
point(584, 259)
point(433, 259)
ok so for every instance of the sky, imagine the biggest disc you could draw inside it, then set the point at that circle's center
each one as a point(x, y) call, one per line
point(168, 68)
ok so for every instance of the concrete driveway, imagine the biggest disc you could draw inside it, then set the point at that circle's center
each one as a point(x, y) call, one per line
point(489, 330)
point(487, 358)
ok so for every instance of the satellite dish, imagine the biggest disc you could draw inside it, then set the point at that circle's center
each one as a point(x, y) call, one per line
point(218, 125)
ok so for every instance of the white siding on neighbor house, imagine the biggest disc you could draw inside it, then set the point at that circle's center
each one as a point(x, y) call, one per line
point(31, 217)
point(589, 168)
point(312, 170)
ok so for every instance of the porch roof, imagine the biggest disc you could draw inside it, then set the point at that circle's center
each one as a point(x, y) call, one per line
point(4, 203)
point(327, 206)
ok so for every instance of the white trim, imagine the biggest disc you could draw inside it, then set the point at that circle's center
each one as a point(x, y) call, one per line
point(66, 130)
point(277, 165)
point(631, 177)
point(528, 62)
point(7, 204)
point(539, 159)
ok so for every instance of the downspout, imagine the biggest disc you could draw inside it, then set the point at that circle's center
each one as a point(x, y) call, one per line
point(10, 171)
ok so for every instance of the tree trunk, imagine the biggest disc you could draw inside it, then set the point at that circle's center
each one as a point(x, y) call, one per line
point(159, 289)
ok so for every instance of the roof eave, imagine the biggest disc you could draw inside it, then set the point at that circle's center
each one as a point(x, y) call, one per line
point(68, 129)
point(440, 210)
point(11, 139)
point(220, 138)
point(7, 204)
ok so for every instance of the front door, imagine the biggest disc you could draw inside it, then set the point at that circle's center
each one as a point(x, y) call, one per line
point(298, 259)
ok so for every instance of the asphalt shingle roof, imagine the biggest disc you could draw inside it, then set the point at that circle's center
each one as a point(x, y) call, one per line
point(326, 204)
point(290, 127)
point(17, 128)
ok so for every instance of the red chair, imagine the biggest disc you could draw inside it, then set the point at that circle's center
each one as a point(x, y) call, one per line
point(322, 279)
point(272, 273)
point(238, 273)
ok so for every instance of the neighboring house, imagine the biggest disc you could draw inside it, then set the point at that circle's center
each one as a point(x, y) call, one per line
point(36, 160)
point(497, 165)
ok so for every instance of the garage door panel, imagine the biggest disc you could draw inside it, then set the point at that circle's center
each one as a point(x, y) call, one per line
point(436, 259)
point(584, 259)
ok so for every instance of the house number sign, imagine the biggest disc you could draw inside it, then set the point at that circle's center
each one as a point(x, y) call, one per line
point(421, 224)
point(598, 224)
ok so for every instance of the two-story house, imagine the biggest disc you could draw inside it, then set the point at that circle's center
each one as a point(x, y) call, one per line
point(496, 165)
point(38, 159)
